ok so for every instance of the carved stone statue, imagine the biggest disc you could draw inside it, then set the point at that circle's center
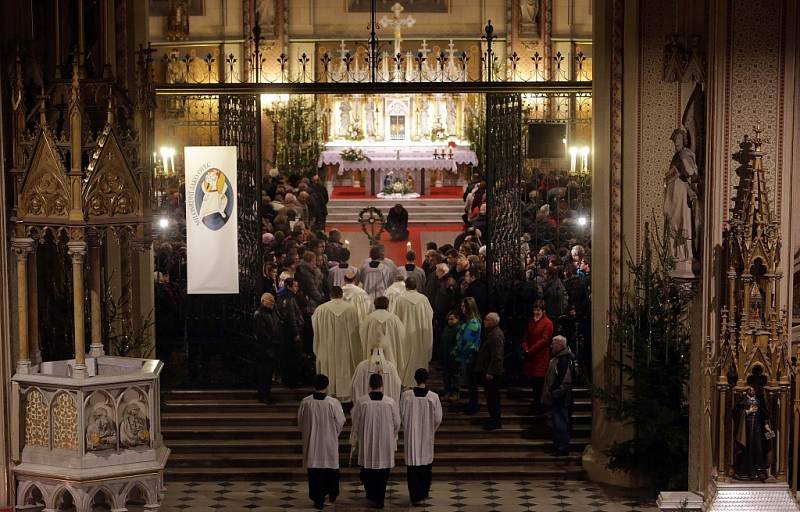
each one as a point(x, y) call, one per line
point(752, 434)
point(344, 116)
point(133, 428)
point(529, 9)
point(101, 432)
point(178, 20)
point(424, 122)
point(369, 116)
point(680, 198)
point(451, 115)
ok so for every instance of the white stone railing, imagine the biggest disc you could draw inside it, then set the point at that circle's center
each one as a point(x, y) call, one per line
point(89, 440)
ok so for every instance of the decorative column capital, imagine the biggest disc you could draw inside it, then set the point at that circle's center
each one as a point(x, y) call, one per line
point(77, 250)
point(22, 247)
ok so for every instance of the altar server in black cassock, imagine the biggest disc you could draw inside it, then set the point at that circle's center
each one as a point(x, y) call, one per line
point(376, 421)
point(321, 419)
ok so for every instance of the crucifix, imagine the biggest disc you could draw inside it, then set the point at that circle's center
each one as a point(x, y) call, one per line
point(397, 23)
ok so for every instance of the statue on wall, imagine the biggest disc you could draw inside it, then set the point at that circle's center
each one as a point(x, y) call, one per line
point(451, 115)
point(266, 15)
point(529, 17)
point(344, 116)
point(133, 428)
point(680, 199)
point(101, 433)
point(752, 433)
point(369, 116)
point(529, 10)
point(424, 123)
point(178, 20)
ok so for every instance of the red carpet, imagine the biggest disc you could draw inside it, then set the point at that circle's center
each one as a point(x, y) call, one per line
point(397, 250)
point(359, 193)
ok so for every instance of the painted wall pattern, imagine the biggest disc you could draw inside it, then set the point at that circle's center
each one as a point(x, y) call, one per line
point(659, 113)
point(754, 86)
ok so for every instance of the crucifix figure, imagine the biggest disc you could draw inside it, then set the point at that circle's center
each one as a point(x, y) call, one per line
point(397, 23)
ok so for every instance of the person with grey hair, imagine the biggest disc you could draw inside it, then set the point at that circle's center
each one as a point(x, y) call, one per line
point(557, 393)
point(489, 368)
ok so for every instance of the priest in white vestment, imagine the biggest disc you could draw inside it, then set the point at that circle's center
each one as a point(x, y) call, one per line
point(337, 344)
point(374, 363)
point(416, 314)
point(383, 325)
point(337, 271)
point(373, 277)
point(359, 298)
point(320, 420)
point(376, 422)
point(397, 289)
point(421, 414)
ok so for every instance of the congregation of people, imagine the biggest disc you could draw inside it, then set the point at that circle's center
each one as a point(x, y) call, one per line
point(366, 332)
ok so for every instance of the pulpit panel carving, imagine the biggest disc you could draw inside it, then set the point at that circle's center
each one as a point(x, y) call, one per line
point(65, 422)
point(133, 419)
point(101, 427)
point(45, 192)
point(36, 423)
point(111, 190)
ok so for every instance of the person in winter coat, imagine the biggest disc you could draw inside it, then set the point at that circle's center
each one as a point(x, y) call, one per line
point(468, 341)
point(536, 350)
point(557, 393)
point(449, 366)
point(267, 332)
point(489, 368)
point(556, 300)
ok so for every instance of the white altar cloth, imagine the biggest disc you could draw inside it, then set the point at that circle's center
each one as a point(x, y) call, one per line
point(409, 160)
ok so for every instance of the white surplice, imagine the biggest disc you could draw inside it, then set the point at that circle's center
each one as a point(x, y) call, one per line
point(386, 327)
point(375, 363)
point(376, 424)
point(416, 314)
point(374, 280)
point(336, 274)
point(320, 422)
point(421, 417)
point(356, 296)
point(397, 289)
point(337, 344)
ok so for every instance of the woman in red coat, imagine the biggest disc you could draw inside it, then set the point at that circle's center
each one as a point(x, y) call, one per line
point(536, 347)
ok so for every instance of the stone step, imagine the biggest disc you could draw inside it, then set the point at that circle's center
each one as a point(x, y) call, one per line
point(441, 473)
point(290, 408)
point(205, 433)
point(281, 394)
point(279, 418)
point(345, 211)
point(294, 446)
point(272, 460)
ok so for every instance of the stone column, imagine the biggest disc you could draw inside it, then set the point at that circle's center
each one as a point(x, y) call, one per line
point(22, 247)
point(95, 293)
point(77, 250)
point(33, 308)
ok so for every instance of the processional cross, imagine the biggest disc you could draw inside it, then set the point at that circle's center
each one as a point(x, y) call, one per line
point(397, 23)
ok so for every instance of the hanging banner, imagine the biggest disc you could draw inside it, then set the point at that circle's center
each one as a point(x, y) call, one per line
point(212, 252)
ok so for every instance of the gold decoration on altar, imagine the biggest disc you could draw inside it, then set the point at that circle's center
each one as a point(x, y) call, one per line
point(753, 336)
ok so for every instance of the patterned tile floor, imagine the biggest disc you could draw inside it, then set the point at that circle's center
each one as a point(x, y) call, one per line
point(466, 496)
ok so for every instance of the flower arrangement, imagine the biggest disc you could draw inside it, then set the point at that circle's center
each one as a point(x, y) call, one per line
point(355, 133)
point(438, 133)
point(354, 155)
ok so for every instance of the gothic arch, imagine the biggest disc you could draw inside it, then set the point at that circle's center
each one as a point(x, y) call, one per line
point(45, 190)
point(111, 189)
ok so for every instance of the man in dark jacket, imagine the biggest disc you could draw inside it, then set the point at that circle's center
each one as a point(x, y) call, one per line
point(475, 287)
point(292, 316)
point(489, 367)
point(267, 331)
point(317, 189)
point(558, 393)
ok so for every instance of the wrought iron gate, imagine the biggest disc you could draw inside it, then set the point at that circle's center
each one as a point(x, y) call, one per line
point(239, 125)
point(504, 205)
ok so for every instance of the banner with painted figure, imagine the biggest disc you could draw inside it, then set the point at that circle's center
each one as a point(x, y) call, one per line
point(212, 252)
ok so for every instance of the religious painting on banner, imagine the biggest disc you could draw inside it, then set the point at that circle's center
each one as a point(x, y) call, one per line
point(212, 252)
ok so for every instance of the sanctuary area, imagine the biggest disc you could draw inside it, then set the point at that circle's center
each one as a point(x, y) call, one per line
point(403, 254)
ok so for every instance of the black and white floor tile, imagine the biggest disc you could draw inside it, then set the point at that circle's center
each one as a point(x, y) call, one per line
point(464, 496)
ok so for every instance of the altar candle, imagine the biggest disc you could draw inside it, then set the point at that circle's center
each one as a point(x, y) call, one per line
point(408, 246)
point(347, 244)
point(573, 156)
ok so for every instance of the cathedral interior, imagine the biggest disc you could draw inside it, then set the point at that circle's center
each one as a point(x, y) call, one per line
point(174, 172)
